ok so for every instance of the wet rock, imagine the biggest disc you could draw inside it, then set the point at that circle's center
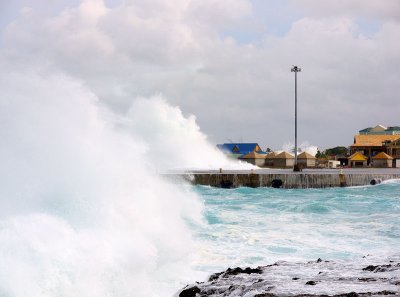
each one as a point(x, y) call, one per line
point(239, 270)
point(351, 294)
point(366, 279)
point(235, 271)
point(276, 280)
point(214, 276)
point(378, 268)
point(190, 292)
point(370, 268)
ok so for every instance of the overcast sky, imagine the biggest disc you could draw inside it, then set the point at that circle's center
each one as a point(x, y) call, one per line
point(225, 61)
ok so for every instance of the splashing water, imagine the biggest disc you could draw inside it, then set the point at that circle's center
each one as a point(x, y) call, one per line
point(82, 211)
point(303, 147)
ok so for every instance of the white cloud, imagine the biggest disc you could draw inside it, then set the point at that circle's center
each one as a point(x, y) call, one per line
point(388, 9)
point(236, 90)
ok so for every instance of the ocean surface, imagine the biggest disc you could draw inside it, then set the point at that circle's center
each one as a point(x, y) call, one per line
point(260, 226)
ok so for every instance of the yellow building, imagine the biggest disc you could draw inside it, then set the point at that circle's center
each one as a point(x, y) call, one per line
point(393, 149)
point(269, 159)
point(382, 160)
point(358, 160)
point(371, 145)
point(306, 160)
point(254, 158)
point(284, 160)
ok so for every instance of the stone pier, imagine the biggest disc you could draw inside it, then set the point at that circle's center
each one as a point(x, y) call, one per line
point(287, 179)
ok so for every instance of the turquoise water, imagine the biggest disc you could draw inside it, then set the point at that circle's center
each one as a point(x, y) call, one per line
point(250, 227)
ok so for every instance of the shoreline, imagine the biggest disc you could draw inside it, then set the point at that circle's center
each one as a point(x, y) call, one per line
point(318, 278)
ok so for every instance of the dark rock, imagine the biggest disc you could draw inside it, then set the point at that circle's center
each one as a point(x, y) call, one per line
point(367, 279)
point(234, 271)
point(351, 294)
point(383, 268)
point(190, 292)
point(378, 268)
point(387, 293)
point(263, 281)
point(319, 260)
point(214, 276)
point(370, 268)
point(239, 270)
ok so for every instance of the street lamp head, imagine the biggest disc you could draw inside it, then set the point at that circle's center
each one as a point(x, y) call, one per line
point(295, 69)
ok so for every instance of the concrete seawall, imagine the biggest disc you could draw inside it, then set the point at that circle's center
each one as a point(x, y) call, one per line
point(290, 180)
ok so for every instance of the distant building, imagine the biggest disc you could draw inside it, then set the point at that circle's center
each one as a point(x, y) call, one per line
point(382, 160)
point(269, 159)
point(358, 160)
point(334, 164)
point(381, 130)
point(372, 144)
point(284, 160)
point(306, 160)
point(254, 158)
point(239, 149)
point(393, 148)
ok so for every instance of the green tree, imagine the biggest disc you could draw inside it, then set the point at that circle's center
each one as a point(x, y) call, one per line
point(338, 150)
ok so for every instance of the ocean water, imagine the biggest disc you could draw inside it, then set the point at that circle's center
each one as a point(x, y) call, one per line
point(251, 227)
point(84, 211)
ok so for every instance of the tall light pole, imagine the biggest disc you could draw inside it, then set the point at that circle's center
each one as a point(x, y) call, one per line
point(295, 69)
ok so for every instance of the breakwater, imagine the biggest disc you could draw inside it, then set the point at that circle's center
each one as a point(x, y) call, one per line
point(290, 180)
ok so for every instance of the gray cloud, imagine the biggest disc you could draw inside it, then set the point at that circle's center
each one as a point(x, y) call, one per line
point(237, 91)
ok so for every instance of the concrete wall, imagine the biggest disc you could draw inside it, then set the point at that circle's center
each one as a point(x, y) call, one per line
point(289, 181)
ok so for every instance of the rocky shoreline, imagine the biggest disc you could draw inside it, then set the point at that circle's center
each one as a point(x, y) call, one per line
point(311, 279)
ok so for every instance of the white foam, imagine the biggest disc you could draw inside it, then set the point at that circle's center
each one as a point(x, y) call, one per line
point(82, 212)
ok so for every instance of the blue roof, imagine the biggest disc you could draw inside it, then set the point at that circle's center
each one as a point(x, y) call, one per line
point(238, 148)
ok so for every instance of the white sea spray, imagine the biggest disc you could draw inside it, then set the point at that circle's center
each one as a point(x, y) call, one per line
point(82, 209)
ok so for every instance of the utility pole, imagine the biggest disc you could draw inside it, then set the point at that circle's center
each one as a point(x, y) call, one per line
point(295, 69)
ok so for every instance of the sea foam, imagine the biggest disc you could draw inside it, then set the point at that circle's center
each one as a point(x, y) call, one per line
point(83, 211)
